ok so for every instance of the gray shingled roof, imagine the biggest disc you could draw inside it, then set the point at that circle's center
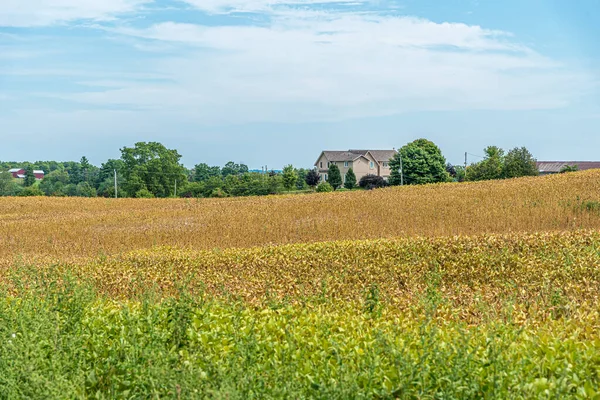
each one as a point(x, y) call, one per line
point(383, 155)
point(351, 155)
point(341, 155)
point(557, 166)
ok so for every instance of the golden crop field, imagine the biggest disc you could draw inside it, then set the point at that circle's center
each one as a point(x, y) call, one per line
point(67, 227)
point(477, 290)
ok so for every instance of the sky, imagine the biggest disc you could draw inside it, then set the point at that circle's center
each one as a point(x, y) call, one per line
point(274, 82)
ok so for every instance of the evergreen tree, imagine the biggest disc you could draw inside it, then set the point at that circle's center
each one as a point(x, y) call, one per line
point(350, 182)
point(334, 177)
point(29, 176)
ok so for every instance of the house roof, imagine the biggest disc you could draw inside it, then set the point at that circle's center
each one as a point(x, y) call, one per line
point(38, 171)
point(14, 170)
point(351, 155)
point(378, 155)
point(557, 166)
point(341, 155)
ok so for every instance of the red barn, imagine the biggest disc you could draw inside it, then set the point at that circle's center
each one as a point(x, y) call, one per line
point(19, 173)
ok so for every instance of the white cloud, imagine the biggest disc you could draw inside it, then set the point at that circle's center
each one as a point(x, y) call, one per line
point(26, 13)
point(306, 65)
point(336, 65)
point(228, 6)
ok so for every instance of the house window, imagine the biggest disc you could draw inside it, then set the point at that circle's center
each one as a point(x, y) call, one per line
point(325, 177)
point(321, 164)
point(371, 165)
point(385, 164)
point(346, 164)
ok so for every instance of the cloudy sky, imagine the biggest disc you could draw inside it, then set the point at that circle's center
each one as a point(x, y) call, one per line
point(277, 81)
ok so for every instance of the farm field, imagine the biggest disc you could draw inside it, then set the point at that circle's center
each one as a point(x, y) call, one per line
point(479, 290)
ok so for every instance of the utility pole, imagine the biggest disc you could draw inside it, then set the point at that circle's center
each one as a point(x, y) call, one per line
point(465, 160)
point(116, 193)
point(175, 187)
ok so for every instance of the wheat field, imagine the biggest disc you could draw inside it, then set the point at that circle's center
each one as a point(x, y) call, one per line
point(470, 291)
point(68, 227)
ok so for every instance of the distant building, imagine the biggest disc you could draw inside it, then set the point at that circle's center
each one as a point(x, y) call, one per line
point(554, 167)
point(362, 162)
point(19, 173)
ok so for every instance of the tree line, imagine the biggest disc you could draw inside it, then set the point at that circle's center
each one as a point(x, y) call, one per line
point(149, 169)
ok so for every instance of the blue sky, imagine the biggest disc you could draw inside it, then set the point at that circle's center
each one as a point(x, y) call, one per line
point(277, 81)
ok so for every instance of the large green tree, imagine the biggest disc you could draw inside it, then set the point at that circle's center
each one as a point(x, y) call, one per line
point(232, 168)
point(153, 167)
point(491, 167)
point(519, 162)
point(422, 162)
point(202, 172)
point(334, 176)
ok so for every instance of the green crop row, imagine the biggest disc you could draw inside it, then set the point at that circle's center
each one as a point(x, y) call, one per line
point(65, 341)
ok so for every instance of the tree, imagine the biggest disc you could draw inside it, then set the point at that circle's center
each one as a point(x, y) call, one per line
point(202, 172)
point(312, 178)
point(569, 168)
point(84, 189)
point(422, 162)
point(491, 167)
point(29, 176)
point(54, 183)
point(153, 167)
point(301, 182)
point(334, 176)
point(324, 187)
point(232, 168)
point(350, 182)
point(8, 186)
point(371, 182)
point(519, 162)
point(290, 177)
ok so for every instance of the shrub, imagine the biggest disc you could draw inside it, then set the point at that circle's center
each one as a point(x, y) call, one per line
point(30, 191)
point(372, 182)
point(144, 194)
point(324, 187)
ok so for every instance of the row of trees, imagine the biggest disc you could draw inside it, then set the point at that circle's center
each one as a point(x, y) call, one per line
point(152, 170)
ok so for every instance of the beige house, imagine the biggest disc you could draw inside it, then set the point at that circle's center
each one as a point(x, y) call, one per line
point(362, 162)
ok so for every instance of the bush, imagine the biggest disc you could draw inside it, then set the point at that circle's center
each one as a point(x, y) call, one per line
point(324, 187)
point(372, 182)
point(144, 194)
point(30, 191)
point(218, 193)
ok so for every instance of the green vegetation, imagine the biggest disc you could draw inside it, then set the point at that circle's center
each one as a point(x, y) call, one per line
point(350, 182)
point(496, 165)
point(334, 177)
point(421, 161)
point(61, 340)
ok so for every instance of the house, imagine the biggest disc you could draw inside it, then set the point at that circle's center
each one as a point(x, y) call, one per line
point(554, 167)
point(362, 162)
point(19, 173)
